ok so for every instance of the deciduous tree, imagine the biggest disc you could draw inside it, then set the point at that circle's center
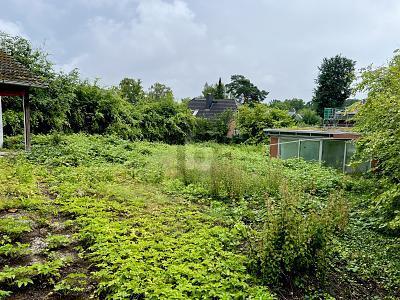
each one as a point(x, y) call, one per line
point(334, 80)
point(131, 89)
point(159, 91)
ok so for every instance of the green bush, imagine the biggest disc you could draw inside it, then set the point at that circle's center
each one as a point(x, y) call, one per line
point(253, 120)
point(294, 242)
point(378, 121)
point(215, 129)
point(310, 117)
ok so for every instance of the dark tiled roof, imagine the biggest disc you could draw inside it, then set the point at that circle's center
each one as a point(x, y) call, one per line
point(13, 72)
point(218, 106)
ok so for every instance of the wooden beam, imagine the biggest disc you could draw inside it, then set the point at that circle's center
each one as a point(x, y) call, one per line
point(12, 93)
point(27, 121)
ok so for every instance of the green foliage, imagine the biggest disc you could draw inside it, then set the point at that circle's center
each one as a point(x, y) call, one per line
point(378, 121)
point(217, 91)
point(253, 120)
point(289, 227)
point(73, 284)
point(208, 90)
point(200, 221)
point(10, 250)
point(293, 243)
point(27, 275)
point(215, 129)
point(14, 227)
point(310, 117)
point(159, 91)
point(57, 241)
point(240, 86)
point(20, 48)
point(335, 77)
point(5, 294)
point(70, 104)
point(369, 254)
point(220, 90)
point(132, 90)
point(288, 104)
point(165, 120)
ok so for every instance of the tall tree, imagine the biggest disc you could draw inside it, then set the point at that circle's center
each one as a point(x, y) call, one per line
point(131, 89)
point(159, 91)
point(219, 90)
point(240, 86)
point(335, 77)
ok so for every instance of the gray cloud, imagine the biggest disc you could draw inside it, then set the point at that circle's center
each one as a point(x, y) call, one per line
point(277, 44)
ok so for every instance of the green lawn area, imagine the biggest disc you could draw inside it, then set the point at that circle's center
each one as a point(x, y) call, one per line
point(98, 217)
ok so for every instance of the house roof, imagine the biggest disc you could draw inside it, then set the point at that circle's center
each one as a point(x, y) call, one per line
point(199, 108)
point(14, 73)
point(331, 133)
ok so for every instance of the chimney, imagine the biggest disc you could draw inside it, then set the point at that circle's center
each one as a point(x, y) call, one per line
point(209, 101)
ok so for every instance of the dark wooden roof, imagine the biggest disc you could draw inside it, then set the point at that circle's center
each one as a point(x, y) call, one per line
point(199, 108)
point(14, 73)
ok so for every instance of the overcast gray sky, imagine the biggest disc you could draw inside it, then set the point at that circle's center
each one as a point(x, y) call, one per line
point(184, 43)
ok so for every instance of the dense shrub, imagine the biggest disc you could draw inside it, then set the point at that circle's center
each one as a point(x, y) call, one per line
point(164, 120)
point(310, 117)
point(293, 243)
point(69, 104)
point(215, 129)
point(253, 120)
point(378, 121)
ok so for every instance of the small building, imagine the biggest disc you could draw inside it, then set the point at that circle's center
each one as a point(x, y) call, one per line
point(209, 107)
point(333, 148)
point(16, 80)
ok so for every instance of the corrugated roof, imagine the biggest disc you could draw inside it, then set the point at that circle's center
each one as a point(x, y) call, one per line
point(13, 72)
point(218, 106)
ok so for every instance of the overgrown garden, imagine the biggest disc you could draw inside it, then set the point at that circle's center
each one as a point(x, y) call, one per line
point(126, 195)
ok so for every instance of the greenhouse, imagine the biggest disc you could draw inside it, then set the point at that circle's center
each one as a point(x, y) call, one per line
point(333, 148)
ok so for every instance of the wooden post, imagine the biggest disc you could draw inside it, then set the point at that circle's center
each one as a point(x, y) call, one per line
point(27, 120)
point(1, 126)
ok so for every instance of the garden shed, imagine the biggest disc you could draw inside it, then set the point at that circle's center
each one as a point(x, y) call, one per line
point(16, 80)
point(334, 148)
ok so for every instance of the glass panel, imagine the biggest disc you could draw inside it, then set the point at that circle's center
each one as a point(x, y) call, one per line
point(360, 168)
point(309, 150)
point(288, 148)
point(333, 153)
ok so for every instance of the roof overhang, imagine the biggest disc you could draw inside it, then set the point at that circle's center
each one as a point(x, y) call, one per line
point(23, 84)
point(293, 133)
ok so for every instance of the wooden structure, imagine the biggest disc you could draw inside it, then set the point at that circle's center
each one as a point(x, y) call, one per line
point(16, 80)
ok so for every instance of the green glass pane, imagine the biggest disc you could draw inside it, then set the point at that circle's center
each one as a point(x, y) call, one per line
point(333, 153)
point(309, 150)
point(288, 148)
